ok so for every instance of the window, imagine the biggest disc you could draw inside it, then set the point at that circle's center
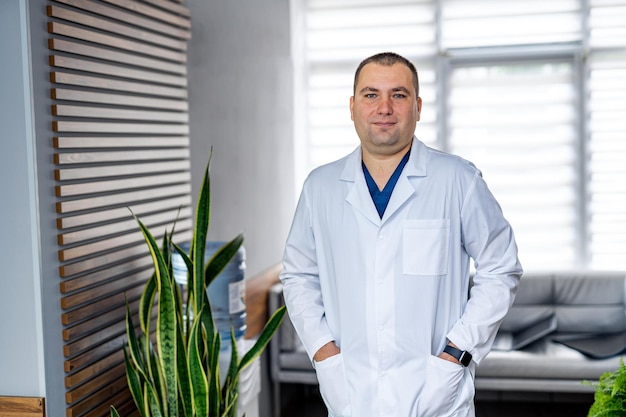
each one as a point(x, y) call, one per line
point(532, 92)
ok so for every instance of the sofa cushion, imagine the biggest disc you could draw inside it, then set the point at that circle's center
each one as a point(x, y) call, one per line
point(544, 359)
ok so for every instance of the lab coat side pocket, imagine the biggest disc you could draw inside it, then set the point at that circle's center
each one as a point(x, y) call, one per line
point(442, 385)
point(331, 376)
point(425, 246)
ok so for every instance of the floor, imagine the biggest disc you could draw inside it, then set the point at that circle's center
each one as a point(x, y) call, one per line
point(306, 402)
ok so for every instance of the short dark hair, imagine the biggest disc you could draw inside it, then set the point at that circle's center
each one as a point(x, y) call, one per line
point(387, 59)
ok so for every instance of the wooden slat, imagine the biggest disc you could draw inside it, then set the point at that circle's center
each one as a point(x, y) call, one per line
point(114, 185)
point(122, 212)
point(113, 242)
point(118, 99)
point(125, 408)
point(86, 327)
point(119, 156)
point(117, 286)
point(121, 114)
point(97, 307)
point(79, 362)
point(115, 42)
point(124, 226)
point(72, 380)
point(118, 371)
point(100, 276)
point(22, 406)
point(126, 198)
point(117, 28)
point(124, 128)
point(93, 402)
point(97, 345)
point(113, 257)
point(119, 170)
point(150, 64)
point(113, 336)
point(129, 18)
point(152, 12)
point(116, 71)
point(104, 409)
point(62, 142)
point(102, 83)
point(170, 6)
point(101, 352)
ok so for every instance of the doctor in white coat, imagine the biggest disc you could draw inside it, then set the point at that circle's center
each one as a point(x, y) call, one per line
point(376, 271)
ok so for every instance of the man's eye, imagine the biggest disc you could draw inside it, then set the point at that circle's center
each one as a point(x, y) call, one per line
point(370, 95)
point(399, 95)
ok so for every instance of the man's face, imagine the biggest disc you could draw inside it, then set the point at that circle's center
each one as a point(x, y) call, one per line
point(385, 108)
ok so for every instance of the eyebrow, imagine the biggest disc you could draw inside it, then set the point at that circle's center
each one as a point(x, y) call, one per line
point(376, 90)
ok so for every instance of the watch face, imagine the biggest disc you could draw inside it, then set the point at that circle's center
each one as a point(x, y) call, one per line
point(465, 358)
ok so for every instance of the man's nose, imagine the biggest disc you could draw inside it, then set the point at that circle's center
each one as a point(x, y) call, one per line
point(385, 107)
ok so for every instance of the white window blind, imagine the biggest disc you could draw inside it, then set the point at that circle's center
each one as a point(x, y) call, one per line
point(606, 145)
point(517, 122)
point(479, 23)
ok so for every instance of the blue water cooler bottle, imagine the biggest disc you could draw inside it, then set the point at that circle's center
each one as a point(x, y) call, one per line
point(226, 292)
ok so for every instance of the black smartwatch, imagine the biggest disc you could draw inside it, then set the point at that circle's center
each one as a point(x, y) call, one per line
point(463, 356)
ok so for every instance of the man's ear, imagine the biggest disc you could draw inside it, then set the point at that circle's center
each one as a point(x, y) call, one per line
point(419, 108)
point(351, 106)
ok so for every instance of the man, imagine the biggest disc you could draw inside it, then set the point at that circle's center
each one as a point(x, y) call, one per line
point(376, 265)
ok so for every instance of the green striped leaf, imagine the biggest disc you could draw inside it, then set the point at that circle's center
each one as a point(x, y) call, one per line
point(189, 265)
point(215, 394)
point(184, 386)
point(135, 385)
point(133, 342)
point(197, 375)
point(198, 244)
point(166, 323)
point(267, 333)
point(221, 258)
point(145, 304)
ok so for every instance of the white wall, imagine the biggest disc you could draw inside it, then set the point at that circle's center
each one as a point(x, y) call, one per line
point(240, 85)
point(21, 351)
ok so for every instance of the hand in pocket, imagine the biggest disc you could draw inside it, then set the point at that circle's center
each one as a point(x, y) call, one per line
point(333, 387)
point(441, 387)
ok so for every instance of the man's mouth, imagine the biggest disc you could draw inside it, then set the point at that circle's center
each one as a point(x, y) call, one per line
point(384, 124)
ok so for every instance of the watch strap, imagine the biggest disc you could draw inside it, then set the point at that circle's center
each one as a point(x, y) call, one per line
point(463, 356)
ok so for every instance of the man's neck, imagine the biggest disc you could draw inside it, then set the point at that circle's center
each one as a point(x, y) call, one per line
point(381, 167)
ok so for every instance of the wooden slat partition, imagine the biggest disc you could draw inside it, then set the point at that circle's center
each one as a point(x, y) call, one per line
point(120, 116)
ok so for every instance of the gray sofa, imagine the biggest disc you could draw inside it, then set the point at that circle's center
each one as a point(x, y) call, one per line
point(587, 337)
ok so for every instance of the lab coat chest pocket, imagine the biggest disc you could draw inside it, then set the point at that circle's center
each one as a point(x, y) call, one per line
point(425, 246)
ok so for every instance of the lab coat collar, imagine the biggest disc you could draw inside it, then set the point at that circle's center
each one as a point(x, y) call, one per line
point(358, 195)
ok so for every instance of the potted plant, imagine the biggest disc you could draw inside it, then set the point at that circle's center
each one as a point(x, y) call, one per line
point(172, 364)
point(610, 394)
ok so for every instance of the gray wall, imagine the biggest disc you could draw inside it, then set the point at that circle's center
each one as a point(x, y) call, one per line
point(21, 350)
point(31, 357)
point(240, 84)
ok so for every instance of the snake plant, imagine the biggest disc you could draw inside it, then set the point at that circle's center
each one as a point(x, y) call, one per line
point(172, 365)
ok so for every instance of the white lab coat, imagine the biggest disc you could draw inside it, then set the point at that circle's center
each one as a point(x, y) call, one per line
point(391, 291)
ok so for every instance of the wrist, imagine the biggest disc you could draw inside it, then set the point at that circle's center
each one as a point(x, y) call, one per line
point(326, 351)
